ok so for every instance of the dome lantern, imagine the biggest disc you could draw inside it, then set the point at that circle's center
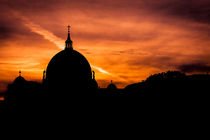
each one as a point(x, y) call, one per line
point(69, 41)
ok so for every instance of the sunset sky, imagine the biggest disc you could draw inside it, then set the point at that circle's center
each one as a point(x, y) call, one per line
point(123, 40)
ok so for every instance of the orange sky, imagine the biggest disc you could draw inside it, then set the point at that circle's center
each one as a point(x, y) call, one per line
point(123, 41)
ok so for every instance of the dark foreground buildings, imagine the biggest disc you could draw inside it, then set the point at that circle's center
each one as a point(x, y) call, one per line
point(69, 78)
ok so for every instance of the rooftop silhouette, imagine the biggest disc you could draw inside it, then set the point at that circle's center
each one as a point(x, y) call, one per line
point(69, 78)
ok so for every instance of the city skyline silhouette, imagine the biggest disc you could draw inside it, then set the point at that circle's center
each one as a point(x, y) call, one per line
point(68, 78)
point(123, 42)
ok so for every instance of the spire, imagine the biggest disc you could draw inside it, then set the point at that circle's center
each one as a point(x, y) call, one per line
point(68, 41)
point(93, 75)
point(68, 28)
point(19, 72)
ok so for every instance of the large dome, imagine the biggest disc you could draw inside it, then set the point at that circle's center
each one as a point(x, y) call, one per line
point(68, 69)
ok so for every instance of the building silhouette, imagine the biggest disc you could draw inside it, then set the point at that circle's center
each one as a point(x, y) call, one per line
point(69, 75)
point(23, 91)
point(111, 86)
point(69, 71)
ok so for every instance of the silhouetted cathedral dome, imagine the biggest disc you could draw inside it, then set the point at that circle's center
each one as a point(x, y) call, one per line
point(19, 79)
point(68, 65)
point(69, 69)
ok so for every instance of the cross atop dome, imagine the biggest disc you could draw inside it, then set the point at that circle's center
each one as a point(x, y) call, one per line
point(68, 28)
point(69, 45)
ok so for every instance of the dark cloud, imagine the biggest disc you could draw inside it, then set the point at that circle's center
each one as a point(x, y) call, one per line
point(197, 10)
point(189, 68)
point(27, 4)
point(5, 32)
point(153, 61)
point(6, 24)
point(40, 6)
point(10, 26)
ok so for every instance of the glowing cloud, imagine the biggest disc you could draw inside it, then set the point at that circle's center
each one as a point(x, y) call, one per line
point(101, 70)
point(52, 38)
point(43, 32)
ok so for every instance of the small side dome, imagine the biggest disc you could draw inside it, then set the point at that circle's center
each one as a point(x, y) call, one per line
point(19, 79)
point(112, 86)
